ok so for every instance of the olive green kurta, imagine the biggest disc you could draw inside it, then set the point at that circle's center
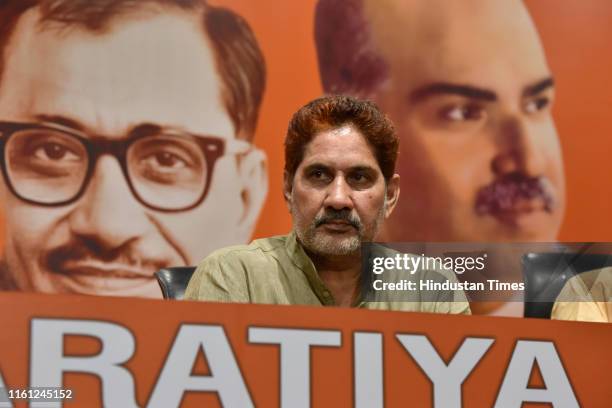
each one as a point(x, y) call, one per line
point(276, 270)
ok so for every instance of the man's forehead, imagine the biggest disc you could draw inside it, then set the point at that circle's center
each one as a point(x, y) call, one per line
point(341, 147)
point(149, 68)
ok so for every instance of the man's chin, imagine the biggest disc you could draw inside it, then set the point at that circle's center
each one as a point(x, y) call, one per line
point(333, 245)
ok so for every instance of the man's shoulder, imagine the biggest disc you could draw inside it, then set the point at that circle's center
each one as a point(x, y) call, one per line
point(242, 253)
point(226, 274)
point(269, 244)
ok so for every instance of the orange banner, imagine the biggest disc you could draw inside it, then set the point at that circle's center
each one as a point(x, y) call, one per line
point(132, 352)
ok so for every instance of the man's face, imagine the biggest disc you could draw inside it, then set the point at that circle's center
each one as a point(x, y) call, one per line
point(470, 93)
point(153, 69)
point(338, 196)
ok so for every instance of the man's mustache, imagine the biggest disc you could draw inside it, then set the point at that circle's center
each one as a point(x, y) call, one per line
point(504, 193)
point(338, 215)
point(77, 250)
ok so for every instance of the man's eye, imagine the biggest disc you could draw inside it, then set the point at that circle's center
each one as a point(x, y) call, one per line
point(463, 113)
point(54, 152)
point(359, 177)
point(318, 175)
point(536, 105)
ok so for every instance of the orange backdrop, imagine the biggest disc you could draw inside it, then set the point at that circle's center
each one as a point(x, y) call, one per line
point(576, 36)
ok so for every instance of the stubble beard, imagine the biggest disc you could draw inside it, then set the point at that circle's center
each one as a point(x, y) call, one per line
point(326, 244)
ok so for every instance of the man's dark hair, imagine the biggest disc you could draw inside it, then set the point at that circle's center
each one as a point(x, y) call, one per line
point(348, 62)
point(331, 112)
point(239, 60)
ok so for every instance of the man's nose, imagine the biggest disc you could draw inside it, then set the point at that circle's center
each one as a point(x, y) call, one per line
point(518, 149)
point(339, 195)
point(108, 212)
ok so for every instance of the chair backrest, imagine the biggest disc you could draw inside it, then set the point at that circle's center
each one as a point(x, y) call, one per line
point(173, 281)
point(545, 275)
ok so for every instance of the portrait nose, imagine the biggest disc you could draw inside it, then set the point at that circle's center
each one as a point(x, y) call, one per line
point(339, 195)
point(519, 151)
point(108, 212)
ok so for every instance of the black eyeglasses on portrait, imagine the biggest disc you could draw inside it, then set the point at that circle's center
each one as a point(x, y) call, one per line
point(166, 169)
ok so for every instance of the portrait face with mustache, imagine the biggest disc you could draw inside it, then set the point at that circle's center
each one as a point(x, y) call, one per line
point(470, 92)
point(338, 197)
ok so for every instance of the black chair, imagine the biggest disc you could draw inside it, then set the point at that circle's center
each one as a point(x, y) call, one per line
point(545, 275)
point(173, 281)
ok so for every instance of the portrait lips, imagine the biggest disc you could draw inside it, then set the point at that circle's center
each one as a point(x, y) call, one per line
point(92, 271)
point(514, 196)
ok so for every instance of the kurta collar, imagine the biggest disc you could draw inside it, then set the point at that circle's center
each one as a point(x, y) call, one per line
point(304, 263)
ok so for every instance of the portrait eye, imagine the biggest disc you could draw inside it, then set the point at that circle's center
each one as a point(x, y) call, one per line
point(462, 113)
point(166, 160)
point(46, 148)
point(45, 154)
point(537, 104)
point(51, 151)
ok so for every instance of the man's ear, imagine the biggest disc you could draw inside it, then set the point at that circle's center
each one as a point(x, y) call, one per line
point(393, 192)
point(253, 175)
point(287, 188)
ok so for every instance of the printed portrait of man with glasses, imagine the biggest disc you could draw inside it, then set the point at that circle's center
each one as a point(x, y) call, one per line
point(125, 137)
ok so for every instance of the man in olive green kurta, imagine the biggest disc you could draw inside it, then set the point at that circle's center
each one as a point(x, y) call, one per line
point(340, 185)
point(277, 271)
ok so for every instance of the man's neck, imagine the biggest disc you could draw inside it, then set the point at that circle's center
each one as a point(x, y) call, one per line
point(341, 276)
